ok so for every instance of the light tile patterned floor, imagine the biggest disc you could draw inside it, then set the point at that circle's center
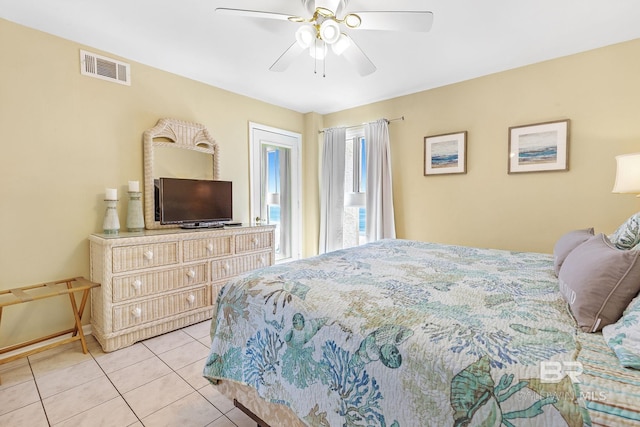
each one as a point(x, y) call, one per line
point(153, 383)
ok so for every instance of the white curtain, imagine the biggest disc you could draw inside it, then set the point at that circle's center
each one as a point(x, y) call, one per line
point(332, 190)
point(380, 221)
point(285, 201)
point(264, 180)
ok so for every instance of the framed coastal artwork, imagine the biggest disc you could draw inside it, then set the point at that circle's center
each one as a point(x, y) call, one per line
point(539, 147)
point(445, 154)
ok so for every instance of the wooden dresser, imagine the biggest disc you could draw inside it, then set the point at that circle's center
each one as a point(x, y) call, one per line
point(157, 281)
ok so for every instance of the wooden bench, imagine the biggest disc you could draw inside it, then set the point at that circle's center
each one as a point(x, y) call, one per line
point(42, 291)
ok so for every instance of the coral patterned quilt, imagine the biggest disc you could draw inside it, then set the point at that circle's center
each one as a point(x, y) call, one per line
point(401, 333)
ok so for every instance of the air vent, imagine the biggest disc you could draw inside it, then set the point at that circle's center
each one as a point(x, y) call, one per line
point(105, 68)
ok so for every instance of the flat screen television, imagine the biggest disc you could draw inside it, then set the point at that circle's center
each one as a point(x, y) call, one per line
point(195, 203)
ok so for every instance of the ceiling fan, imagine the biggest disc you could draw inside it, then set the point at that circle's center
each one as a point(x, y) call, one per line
point(327, 25)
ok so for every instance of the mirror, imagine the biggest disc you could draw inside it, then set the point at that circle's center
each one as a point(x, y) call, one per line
point(176, 149)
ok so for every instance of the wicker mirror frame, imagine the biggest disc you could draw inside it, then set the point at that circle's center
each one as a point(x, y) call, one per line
point(176, 134)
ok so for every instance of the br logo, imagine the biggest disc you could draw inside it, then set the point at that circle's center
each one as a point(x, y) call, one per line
point(554, 372)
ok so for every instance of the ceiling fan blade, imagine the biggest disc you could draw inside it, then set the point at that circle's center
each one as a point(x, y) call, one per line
point(287, 57)
point(412, 21)
point(252, 14)
point(358, 59)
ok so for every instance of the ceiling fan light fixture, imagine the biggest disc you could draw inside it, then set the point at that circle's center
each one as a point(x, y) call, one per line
point(329, 31)
point(352, 20)
point(341, 45)
point(305, 36)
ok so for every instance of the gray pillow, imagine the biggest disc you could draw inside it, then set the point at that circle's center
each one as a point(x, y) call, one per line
point(599, 281)
point(567, 243)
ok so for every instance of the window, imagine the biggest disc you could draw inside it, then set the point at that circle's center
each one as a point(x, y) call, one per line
point(273, 190)
point(355, 189)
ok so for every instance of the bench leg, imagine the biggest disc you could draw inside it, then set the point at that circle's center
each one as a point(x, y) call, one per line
point(77, 314)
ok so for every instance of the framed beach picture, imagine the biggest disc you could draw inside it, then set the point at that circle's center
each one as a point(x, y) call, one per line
point(445, 154)
point(540, 147)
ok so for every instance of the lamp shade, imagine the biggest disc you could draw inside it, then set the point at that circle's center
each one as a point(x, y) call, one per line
point(305, 36)
point(273, 198)
point(627, 174)
point(318, 50)
point(329, 31)
point(355, 200)
point(341, 45)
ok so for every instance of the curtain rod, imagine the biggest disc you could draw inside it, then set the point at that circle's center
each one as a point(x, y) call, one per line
point(356, 126)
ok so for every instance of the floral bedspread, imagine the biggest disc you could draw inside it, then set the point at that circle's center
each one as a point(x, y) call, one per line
point(402, 333)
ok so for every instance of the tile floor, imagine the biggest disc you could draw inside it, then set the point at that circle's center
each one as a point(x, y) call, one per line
point(157, 382)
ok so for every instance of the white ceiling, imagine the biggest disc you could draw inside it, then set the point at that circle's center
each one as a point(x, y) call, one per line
point(469, 38)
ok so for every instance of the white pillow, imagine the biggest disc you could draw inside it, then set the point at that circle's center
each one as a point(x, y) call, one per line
point(628, 234)
point(624, 336)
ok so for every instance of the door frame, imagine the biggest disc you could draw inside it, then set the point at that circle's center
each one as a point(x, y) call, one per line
point(296, 180)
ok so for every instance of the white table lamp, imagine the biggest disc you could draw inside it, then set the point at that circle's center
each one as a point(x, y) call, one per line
point(628, 174)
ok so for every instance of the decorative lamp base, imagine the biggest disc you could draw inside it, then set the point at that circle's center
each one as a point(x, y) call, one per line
point(135, 218)
point(111, 224)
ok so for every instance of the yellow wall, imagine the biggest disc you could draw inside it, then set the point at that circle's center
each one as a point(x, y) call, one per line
point(65, 137)
point(599, 91)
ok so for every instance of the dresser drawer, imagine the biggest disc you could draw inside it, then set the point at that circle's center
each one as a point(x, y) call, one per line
point(142, 284)
point(198, 249)
point(128, 315)
point(253, 241)
point(129, 258)
point(226, 268)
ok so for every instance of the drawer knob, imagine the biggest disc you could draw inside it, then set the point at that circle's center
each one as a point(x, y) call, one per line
point(191, 274)
point(262, 261)
point(254, 240)
point(137, 284)
point(148, 255)
point(226, 266)
point(136, 312)
point(191, 298)
point(209, 247)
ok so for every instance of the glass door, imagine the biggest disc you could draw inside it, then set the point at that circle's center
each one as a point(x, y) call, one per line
point(275, 186)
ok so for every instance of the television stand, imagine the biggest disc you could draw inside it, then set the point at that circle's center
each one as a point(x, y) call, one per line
point(197, 225)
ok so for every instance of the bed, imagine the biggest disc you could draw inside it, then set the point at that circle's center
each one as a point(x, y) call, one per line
point(402, 333)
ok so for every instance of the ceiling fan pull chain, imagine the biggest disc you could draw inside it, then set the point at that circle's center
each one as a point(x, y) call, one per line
point(315, 57)
point(324, 67)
